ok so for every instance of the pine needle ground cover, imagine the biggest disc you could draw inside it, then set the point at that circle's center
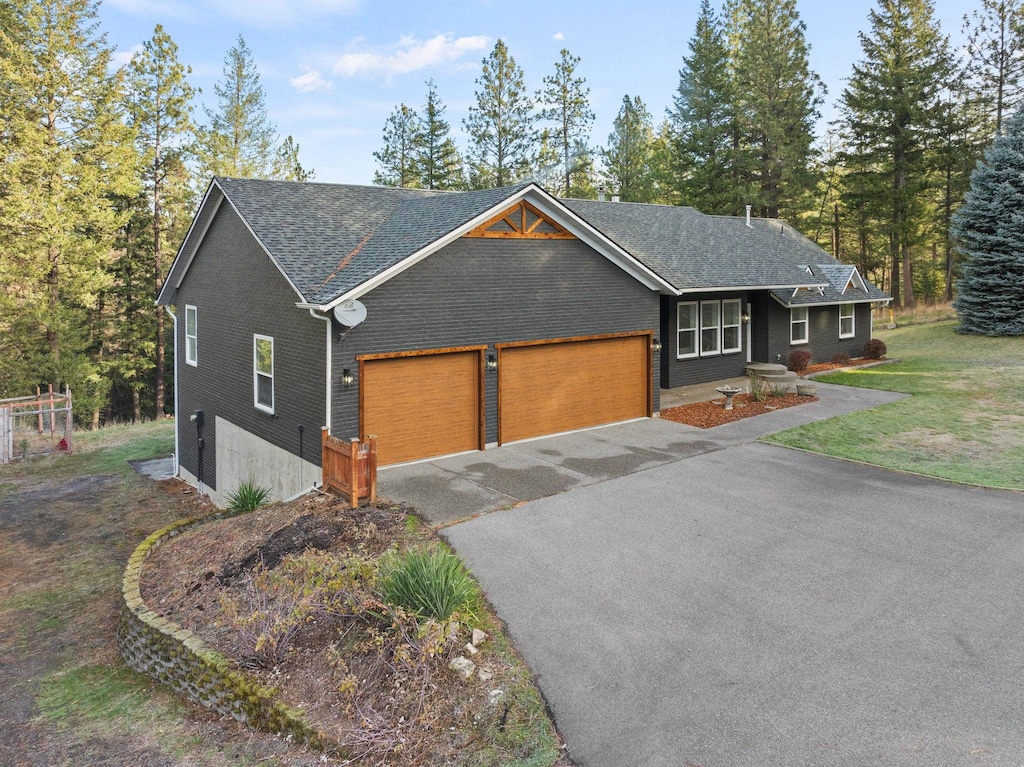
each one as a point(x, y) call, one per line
point(962, 422)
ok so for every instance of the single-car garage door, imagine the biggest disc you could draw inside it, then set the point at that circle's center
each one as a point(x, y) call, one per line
point(422, 404)
point(550, 387)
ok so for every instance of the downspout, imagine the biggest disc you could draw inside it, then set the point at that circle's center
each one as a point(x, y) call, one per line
point(177, 413)
point(330, 354)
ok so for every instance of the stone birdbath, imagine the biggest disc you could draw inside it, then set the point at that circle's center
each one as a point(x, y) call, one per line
point(728, 392)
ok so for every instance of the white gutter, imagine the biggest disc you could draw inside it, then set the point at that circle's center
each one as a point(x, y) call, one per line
point(177, 413)
point(330, 327)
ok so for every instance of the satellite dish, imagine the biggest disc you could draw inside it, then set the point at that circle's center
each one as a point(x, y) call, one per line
point(350, 313)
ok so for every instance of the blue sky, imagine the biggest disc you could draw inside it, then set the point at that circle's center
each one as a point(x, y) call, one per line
point(334, 69)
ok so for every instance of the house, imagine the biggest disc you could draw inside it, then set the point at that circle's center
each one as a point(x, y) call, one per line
point(450, 321)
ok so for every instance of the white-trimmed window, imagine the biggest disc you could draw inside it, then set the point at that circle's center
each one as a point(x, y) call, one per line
point(847, 327)
point(710, 328)
point(263, 372)
point(686, 329)
point(731, 330)
point(798, 325)
point(191, 336)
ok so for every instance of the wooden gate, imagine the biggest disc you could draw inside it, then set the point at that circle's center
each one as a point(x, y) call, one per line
point(349, 468)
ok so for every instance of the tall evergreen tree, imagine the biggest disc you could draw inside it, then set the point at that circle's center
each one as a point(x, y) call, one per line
point(627, 158)
point(397, 158)
point(995, 44)
point(891, 110)
point(503, 139)
point(286, 165)
point(566, 105)
point(240, 140)
point(989, 230)
point(160, 111)
point(67, 157)
point(439, 161)
point(703, 122)
point(777, 99)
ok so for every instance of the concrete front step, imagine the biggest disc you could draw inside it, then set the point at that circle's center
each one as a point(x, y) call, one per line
point(759, 368)
point(772, 373)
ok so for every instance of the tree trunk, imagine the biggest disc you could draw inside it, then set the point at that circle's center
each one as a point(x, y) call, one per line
point(908, 278)
point(136, 406)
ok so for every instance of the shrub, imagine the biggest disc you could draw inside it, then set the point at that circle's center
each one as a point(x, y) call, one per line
point(799, 360)
point(758, 389)
point(780, 389)
point(431, 584)
point(874, 349)
point(248, 496)
point(841, 359)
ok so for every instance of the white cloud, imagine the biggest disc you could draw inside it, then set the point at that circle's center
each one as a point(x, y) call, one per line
point(409, 55)
point(272, 13)
point(120, 58)
point(558, 36)
point(312, 80)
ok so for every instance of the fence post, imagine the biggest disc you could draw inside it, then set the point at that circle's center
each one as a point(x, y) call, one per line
point(5, 435)
point(371, 468)
point(353, 472)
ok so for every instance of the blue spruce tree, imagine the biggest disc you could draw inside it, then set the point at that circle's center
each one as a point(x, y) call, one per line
point(989, 231)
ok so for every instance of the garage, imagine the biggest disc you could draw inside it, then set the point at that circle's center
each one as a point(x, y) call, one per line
point(554, 386)
point(422, 404)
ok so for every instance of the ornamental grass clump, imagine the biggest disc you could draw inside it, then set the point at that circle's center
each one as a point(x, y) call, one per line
point(248, 496)
point(429, 583)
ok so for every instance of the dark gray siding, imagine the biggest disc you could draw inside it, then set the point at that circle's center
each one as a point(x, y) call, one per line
point(487, 291)
point(237, 292)
point(694, 370)
point(823, 333)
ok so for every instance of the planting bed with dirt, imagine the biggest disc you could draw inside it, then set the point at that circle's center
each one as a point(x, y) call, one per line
point(293, 593)
point(713, 413)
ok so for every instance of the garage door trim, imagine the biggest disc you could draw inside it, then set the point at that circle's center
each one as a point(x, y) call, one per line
point(499, 347)
point(480, 350)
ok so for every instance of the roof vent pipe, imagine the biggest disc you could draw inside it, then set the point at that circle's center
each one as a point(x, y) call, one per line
point(615, 198)
point(748, 214)
point(600, 194)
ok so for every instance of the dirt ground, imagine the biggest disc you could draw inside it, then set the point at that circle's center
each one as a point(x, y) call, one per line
point(67, 697)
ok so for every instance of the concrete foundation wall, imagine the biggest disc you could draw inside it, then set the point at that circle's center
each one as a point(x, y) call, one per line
point(242, 456)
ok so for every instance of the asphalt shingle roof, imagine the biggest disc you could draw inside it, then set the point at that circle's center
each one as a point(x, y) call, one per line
point(331, 238)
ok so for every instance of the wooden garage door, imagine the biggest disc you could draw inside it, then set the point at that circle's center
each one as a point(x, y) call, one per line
point(554, 387)
point(421, 405)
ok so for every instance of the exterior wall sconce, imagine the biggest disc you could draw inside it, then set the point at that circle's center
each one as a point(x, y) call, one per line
point(347, 379)
point(656, 346)
point(492, 363)
point(746, 318)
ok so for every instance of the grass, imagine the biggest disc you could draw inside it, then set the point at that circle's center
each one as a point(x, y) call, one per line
point(962, 421)
point(922, 314)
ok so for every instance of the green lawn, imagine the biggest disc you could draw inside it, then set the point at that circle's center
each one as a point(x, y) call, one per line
point(963, 420)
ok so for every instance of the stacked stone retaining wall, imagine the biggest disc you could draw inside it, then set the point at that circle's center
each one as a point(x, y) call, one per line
point(177, 657)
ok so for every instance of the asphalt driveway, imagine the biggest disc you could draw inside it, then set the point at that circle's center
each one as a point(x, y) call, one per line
point(754, 605)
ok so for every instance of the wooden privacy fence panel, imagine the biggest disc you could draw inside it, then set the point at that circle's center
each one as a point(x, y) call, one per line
point(349, 468)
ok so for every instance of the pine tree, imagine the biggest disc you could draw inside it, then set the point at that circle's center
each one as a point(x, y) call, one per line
point(439, 161)
point(160, 111)
point(240, 138)
point(627, 158)
point(989, 230)
point(777, 99)
point(67, 158)
point(703, 122)
point(566, 105)
point(891, 110)
point(397, 158)
point(501, 125)
point(995, 44)
point(286, 165)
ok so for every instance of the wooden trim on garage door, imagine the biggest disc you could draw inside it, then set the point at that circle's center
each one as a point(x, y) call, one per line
point(418, 428)
point(556, 397)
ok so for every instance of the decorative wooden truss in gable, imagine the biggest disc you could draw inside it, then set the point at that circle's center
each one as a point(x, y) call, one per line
point(522, 221)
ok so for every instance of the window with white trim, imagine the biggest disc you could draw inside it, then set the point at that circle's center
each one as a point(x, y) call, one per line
point(731, 335)
point(710, 328)
point(263, 372)
point(798, 325)
point(847, 328)
point(686, 329)
point(191, 336)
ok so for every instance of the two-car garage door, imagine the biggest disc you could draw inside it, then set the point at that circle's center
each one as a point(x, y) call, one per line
point(429, 404)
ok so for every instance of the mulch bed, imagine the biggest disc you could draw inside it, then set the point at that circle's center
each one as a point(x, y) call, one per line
point(706, 415)
point(821, 367)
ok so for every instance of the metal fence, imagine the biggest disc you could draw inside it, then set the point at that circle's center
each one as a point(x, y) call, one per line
point(35, 425)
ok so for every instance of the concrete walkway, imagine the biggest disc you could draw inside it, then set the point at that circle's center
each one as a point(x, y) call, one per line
point(448, 489)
